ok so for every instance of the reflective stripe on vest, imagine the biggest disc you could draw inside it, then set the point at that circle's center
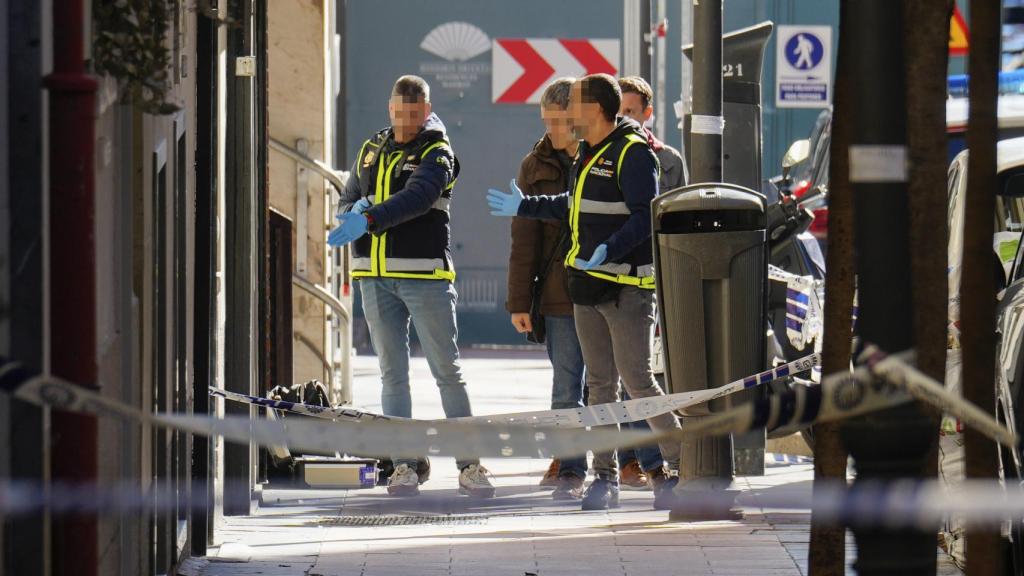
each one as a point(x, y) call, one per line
point(613, 268)
point(620, 273)
point(402, 264)
point(611, 271)
point(647, 282)
point(381, 265)
point(598, 207)
point(574, 208)
point(443, 204)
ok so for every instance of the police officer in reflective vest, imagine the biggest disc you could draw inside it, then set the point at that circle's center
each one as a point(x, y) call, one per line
point(610, 264)
point(395, 208)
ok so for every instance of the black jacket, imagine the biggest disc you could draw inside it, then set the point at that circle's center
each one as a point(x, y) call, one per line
point(637, 181)
point(410, 186)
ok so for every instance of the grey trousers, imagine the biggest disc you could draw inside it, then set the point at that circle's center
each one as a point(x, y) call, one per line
point(616, 341)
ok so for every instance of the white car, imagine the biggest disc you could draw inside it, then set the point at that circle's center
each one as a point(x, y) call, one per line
point(1008, 268)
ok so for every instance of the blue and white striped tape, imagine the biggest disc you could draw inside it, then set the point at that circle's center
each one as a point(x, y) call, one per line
point(598, 415)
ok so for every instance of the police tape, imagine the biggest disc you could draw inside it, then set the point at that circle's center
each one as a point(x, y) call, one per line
point(896, 371)
point(881, 381)
point(794, 280)
point(395, 438)
point(596, 415)
point(804, 321)
point(902, 503)
point(838, 397)
point(916, 503)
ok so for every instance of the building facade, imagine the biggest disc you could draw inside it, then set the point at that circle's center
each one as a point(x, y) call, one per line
point(149, 251)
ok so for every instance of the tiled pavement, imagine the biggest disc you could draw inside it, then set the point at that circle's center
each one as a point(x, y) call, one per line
point(521, 532)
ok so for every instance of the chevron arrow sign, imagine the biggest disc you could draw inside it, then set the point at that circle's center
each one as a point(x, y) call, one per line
point(523, 67)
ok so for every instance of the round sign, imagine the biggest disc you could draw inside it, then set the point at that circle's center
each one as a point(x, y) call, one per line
point(804, 51)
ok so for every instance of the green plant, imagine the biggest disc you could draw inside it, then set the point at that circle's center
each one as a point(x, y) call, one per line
point(131, 44)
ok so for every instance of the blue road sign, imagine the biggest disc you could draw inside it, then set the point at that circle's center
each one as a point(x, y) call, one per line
point(804, 51)
point(803, 67)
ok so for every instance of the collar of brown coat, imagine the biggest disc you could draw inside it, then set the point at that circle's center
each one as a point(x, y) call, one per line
point(541, 164)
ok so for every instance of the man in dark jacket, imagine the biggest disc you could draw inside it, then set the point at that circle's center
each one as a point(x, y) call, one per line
point(538, 248)
point(610, 262)
point(395, 208)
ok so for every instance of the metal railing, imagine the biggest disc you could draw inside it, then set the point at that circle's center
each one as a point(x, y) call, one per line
point(337, 178)
point(324, 296)
point(338, 360)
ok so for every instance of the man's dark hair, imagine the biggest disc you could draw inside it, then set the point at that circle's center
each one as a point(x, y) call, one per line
point(411, 89)
point(637, 85)
point(604, 90)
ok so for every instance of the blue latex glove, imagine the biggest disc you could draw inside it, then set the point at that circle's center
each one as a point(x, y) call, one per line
point(352, 226)
point(505, 204)
point(598, 258)
point(361, 205)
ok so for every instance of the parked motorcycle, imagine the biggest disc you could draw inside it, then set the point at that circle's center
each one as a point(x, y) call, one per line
point(793, 250)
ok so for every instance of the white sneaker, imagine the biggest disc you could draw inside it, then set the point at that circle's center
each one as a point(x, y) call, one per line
point(404, 482)
point(473, 481)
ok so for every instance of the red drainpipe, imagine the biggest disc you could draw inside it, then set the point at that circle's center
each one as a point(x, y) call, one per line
point(73, 275)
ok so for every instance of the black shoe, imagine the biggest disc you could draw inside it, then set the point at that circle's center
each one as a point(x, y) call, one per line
point(664, 497)
point(569, 487)
point(601, 495)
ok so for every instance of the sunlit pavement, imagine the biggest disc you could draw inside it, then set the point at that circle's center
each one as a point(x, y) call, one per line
point(520, 532)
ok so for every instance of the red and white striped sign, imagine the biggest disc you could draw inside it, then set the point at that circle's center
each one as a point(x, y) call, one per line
point(522, 67)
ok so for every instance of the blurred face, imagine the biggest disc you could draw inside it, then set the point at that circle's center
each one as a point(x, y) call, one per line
point(633, 107)
point(407, 116)
point(586, 116)
point(558, 125)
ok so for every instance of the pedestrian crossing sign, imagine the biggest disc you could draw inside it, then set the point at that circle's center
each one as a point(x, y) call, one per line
point(803, 66)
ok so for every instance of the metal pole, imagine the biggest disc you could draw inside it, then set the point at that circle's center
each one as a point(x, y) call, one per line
point(891, 444)
point(301, 210)
point(200, 528)
point(927, 24)
point(978, 318)
point(706, 131)
point(240, 369)
point(827, 554)
point(661, 112)
point(72, 95)
point(708, 460)
point(685, 72)
point(26, 539)
point(645, 39)
point(630, 41)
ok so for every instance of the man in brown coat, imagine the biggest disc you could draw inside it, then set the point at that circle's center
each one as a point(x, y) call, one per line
point(538, 249)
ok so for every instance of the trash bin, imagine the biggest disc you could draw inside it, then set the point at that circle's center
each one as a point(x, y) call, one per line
point(711, 263)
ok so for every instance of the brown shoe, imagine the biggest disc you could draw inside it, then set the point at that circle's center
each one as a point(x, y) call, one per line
point(570, 487)
point(550, 479)
point(632, 477)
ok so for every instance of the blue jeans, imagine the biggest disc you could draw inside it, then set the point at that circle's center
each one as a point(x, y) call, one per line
point(567, 385)
point(648, 456)
point(388, 305)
